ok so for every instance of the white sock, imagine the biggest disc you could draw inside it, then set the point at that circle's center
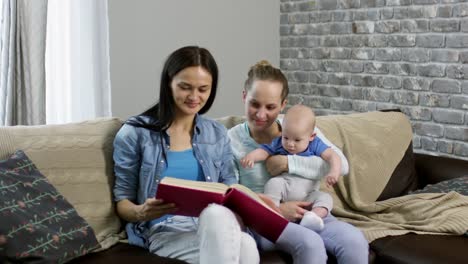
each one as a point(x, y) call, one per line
point(312, 221)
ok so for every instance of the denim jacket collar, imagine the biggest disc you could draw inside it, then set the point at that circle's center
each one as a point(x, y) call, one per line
point(142, 120)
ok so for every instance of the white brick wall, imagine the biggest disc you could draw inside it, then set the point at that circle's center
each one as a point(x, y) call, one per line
point(344, 56)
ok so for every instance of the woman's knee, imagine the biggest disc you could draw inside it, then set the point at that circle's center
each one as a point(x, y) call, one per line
point(352, 248)
point(298, 240)
point(346, 242)
point(310, 248)
point(310, 240)
point(216, 215)
point(354, 240)
point(350, 235)
point(249, 251)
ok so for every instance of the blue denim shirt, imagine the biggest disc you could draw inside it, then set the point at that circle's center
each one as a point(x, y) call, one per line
point(139, 163)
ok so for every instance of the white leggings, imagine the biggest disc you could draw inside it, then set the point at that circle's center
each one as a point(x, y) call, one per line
point(218, 239)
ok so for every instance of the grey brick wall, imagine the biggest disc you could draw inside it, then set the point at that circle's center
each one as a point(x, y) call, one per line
point(345, 56)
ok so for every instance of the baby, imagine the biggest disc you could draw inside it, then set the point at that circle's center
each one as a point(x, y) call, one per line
point(298, 138)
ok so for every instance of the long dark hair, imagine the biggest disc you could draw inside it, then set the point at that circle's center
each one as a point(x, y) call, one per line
point(163, 111)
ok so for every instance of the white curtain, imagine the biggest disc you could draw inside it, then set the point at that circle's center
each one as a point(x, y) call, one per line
point(77, 61)
point(22, 70)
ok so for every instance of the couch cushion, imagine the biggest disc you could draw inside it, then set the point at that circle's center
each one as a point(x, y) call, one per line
point(420, 249)
point(404, 178)
point(230, 121)
point(77, 159)
point(433, 169)
point(36, 221)
point(124, 253)
point(459, 185)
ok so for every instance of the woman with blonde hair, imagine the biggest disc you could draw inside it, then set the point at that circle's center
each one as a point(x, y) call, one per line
point(264, 96)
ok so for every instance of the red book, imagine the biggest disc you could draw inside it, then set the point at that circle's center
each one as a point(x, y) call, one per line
point(191, 197)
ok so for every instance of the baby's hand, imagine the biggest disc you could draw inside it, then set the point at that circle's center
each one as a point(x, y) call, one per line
point(331, 179)
point(246, 162)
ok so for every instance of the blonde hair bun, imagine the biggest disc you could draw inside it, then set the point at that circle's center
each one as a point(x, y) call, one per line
point(263, 70)
point(262, 63)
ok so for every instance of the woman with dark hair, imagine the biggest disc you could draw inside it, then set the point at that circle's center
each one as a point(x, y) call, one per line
point(172, 138)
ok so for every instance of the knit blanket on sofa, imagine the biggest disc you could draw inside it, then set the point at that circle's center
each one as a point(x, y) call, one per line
point(374, 144)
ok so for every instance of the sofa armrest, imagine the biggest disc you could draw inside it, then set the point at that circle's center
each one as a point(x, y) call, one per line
point(433, 169)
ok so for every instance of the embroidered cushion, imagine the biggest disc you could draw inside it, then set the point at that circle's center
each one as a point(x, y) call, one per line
point(459, 185)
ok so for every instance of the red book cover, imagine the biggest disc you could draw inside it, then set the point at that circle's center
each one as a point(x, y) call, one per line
point(256, 216)
point(191, 197)
point(190, 202)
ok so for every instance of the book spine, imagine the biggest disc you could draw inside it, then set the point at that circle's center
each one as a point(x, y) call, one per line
point(255, 215)
point(190, 202)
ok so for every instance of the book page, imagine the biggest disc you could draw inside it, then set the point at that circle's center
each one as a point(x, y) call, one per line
point(253, 195)
point(215, 187)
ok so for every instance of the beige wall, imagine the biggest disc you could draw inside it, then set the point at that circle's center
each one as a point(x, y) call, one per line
point(144, 32)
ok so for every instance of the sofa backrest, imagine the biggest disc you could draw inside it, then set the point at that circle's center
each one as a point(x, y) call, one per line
point(402, 180)
point(77, 159)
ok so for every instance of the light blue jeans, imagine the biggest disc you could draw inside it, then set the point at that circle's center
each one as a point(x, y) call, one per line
point(344, 241)
point(215, 237)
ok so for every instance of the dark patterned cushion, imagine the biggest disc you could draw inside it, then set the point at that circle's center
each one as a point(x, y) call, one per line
point(459, 185)
point(36, 222)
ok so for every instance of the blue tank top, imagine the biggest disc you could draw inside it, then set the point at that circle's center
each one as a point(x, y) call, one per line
point(182, 165)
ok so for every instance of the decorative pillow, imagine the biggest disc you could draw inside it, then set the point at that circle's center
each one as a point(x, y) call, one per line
point(459, 185)
point(35, 219)
point(76, 158)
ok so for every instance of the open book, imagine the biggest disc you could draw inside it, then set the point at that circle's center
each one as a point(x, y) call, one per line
point(191, 197)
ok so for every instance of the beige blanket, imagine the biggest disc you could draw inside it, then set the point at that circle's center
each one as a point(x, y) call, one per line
point(374, 144)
